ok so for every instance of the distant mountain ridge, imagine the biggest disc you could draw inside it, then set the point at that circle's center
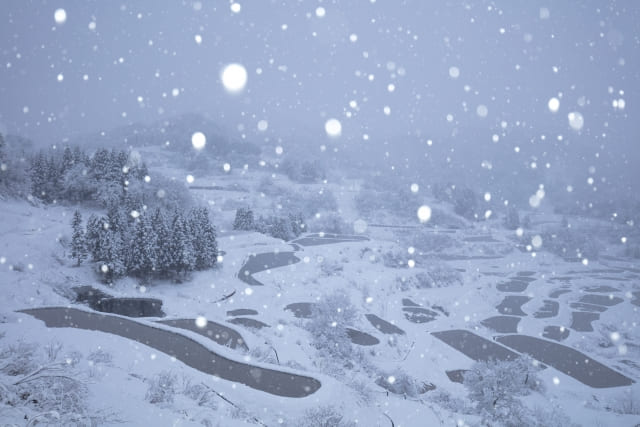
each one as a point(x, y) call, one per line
point(173, 133)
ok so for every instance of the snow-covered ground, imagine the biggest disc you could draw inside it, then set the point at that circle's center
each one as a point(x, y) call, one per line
point(379, 276)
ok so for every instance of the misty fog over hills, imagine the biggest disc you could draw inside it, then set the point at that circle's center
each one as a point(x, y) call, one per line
point(319, 213)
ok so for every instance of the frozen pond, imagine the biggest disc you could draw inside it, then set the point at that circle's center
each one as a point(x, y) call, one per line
point(383, 326)
point(242, 312)
point(474, 346)
point(502, 324)
point(130, 307)
point(512, 286)
point(262, 262)
point(182, 348)
point(556, 333)
point(605, 300)
point(248, 323)
point(581, 321)
point(361, 338)
point(567, 360)
point(549, 309)
point(301, 309)
point(512, 305)
point(221, 334)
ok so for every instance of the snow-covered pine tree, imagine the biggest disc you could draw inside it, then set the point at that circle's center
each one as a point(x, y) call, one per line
point(244, 219)
point(142, 248)
point(118, 219)
point(297, 223)
point(163, 258)
point(92, 236)
point(67, 160)
point(78, 244)
point(181, 248)
point(111, 264)
point(38, 175)
point(204, 239)
point(281, 229)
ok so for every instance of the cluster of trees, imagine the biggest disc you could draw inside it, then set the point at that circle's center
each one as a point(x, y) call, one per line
point(12, 162)
point(163, 244)
point(285, 228)
point(465, 201)
point(306, 172)
point(75, 176)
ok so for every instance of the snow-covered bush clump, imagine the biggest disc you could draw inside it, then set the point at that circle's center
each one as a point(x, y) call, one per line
point(330, 316)
point(495, 386)
point(162, 388)
point(323, 416)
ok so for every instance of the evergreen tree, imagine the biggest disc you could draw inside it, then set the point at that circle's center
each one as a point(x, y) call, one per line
point(111, 263)
point(181, 248)
point(204, 239)
point(297, 224)
point(244, 219)
point(79, 156)
point(118, 219)
point(281, 229)
point(163, 259)
point(142, 256)
point(38, 175)
point(92, 236)
point(67, 160)
point(78, 243)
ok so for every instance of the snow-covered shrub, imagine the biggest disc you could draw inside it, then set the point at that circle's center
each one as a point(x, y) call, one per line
point(330, 316)
point(627, 401)
point(331, 267)
point(61, 393)
point(323, 416)
point(18, 359)
point(395, 259)
point(441, 275)
point(263, 354)
point(449, 402)
point(494, 387)
point(100, 356)
point(161, 388)
point(399, 382)
point(43, 387)
point(434, 275)
point(199, 393)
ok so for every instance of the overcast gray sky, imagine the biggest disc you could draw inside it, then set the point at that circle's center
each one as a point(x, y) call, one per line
point(471, 68)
